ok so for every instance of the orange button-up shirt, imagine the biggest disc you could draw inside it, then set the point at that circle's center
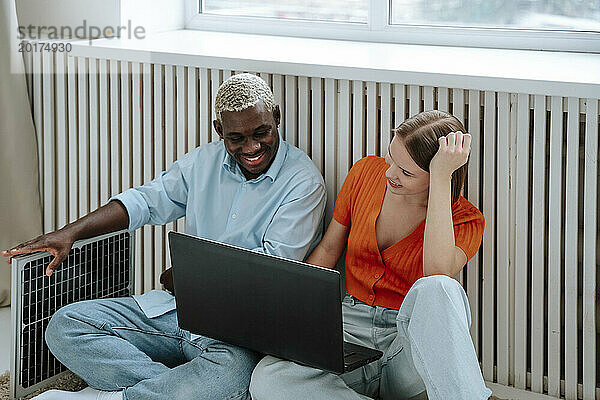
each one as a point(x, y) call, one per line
point(383, 278)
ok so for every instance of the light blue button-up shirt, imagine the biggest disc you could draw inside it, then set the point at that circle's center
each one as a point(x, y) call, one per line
point(278, 213)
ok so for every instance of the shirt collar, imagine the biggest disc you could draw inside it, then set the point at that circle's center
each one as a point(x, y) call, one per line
point(232, 166)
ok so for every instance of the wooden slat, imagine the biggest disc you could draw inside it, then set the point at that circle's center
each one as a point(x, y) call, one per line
point(148, 144)
point(279, 96)
point(291, 128)
point(95, 172)
point(443, 96)
point(104, 133)
point(414, 95)
point(62, 189)
point(126, 178)
point(192, 108)
point(512, 232)
point(205, 104)
point(115, 140)
point(170, 137)
point(458, 102)
point(503, 227)
point(489, 127)
point(358, 112)
point(386, 117)
point(181, 129)
point(590, 237)
point(473, 183)
point(170, 123)
point(428, 98)
point(343, 133)
point(49, 142)
point(330, 145)
point(371, 133)
point(136, 124)
point(136, 153)
point(317, 128)
point(554, 246)
point(303, 115)
point(538, 207)
point(571, 233)
point(522, 231)
point(215, 82)
point(159, 166)
point(399, 104)
point(84, 135)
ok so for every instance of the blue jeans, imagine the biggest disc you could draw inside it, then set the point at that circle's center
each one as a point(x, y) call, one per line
point(112, 345)
point(426, 346)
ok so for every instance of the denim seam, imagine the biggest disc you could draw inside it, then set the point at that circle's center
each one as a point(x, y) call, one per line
point(390, 358)
point(127, 328)
point(239, 395)
point(190, 342)
point(376, 377)
point(418, 352)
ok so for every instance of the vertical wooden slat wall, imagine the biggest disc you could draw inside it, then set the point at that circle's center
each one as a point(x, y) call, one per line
point(106, 125)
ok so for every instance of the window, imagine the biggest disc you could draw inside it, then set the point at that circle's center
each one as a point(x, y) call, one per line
point(565, 25)
point(567, 15)
point(315, 10)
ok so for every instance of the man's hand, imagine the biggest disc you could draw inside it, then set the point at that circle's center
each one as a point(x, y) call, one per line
point(166, 278)
point(56, 243)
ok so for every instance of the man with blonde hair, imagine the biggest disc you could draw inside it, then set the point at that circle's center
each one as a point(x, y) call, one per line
point(250, 189)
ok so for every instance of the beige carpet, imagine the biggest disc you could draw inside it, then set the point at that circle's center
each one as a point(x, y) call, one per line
point(70, 382)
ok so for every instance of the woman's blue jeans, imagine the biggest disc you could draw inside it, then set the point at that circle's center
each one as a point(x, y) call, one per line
point(426, 346)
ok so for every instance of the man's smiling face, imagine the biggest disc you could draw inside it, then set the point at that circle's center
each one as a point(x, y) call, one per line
point(251, 137)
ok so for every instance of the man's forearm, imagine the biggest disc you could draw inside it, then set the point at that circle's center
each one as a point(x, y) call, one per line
point(108, 218)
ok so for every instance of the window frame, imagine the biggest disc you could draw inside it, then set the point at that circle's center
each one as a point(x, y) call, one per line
point(378, 29)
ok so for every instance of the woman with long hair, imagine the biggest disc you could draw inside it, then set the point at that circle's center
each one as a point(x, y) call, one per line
point(408, 232)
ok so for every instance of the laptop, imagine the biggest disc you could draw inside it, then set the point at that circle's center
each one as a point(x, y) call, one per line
point(275, 306)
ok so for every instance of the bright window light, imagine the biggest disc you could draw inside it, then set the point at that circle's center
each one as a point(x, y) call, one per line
point(331, 10)
point(562, 15)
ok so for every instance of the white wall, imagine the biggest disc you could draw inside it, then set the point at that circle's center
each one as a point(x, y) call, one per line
point(68, 12)
point(153, 15)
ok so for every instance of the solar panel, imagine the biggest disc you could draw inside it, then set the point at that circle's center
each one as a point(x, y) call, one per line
point(96, 268)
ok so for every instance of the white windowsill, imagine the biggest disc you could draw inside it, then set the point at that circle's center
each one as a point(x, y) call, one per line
point(515, 71)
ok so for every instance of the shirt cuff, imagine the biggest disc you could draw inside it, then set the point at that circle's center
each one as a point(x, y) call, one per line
point(136, 207)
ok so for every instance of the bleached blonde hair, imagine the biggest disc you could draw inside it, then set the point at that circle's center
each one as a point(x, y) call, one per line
point(243, 91)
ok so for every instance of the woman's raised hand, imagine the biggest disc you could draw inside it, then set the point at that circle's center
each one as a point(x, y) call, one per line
point(453, 153)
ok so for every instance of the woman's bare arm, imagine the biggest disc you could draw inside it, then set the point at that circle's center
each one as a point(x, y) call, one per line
point(441, 256)
point(330, 248)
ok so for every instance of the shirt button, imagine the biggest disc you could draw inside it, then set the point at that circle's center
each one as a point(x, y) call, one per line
point(234, 216)
point(376, 276)
point(244, 184)
point(371, 297)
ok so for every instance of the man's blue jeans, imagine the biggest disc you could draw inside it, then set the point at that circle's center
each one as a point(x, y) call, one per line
point(112, 345)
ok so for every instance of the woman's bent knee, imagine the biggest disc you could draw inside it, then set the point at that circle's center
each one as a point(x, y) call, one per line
point(264, 378)
point(437, 291)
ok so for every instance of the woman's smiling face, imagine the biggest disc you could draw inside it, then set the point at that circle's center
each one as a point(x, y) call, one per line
point(404, 176)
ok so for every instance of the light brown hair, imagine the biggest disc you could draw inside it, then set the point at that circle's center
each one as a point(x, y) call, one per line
point(420, 134)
